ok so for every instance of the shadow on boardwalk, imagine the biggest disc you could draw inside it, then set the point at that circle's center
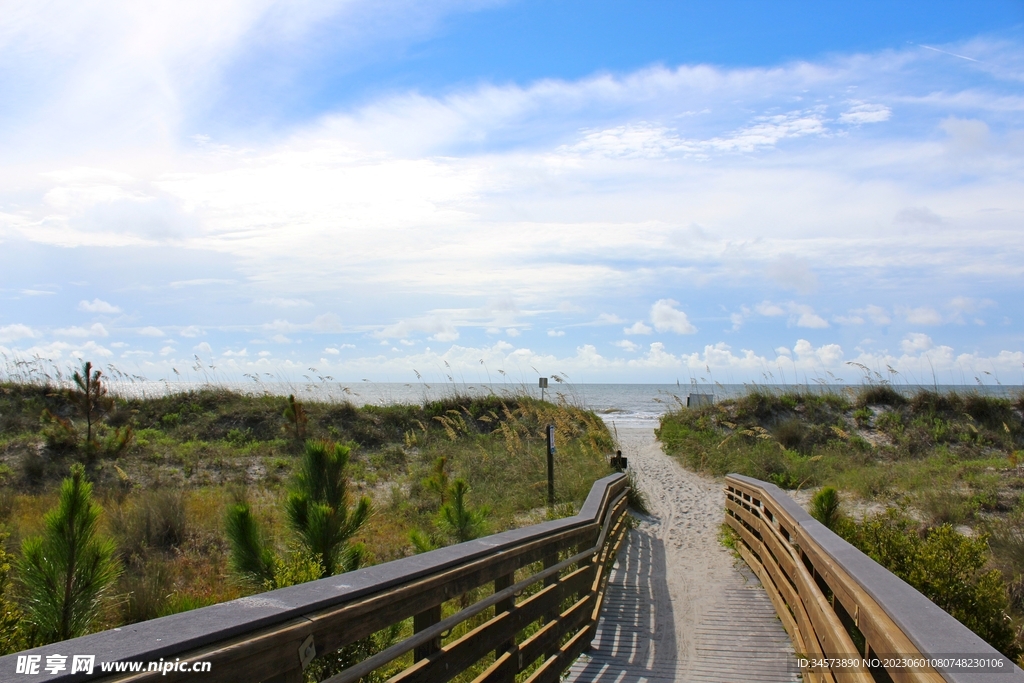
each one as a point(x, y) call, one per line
point(634, 642)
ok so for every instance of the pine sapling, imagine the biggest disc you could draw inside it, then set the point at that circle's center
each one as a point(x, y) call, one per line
point(67, 571)
point(318, 508)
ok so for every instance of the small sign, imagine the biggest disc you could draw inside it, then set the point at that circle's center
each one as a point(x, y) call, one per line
point(543, 383)
point(551, 439)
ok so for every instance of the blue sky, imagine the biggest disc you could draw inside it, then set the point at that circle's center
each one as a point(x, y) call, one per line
point(632, 192)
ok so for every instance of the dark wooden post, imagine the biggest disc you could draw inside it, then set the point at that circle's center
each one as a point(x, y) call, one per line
point(551, 466)
point(423, 621)
point(508, 673)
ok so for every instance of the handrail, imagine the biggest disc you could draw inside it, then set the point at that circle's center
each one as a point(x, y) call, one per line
point(850, 618)
point(272, 636)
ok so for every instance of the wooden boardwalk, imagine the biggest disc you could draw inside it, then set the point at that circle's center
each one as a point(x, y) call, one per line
point(738, 637)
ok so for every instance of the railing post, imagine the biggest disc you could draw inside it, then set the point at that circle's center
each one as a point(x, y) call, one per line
point(555, 610)
point(422, 621)
point(508, 674)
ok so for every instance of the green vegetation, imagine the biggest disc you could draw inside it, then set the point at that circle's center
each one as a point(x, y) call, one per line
point(318, 515)
point(67, 570)
point(212, 486)
point(937, 463)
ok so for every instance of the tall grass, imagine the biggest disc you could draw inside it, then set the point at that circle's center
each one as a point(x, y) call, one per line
point(196, 452)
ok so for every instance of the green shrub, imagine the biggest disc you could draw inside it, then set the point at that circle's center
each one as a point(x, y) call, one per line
point(318, 513)
point(947, 567)
point(880, 395)
point(157, 520)
point(825, 507)
point(862, 416)
point(12, 638)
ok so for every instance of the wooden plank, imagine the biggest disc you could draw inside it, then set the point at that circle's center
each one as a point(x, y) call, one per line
point(336, 627)
point(871, 619)
point(273, 650)
point(457, 656)
point(255, 657)
point(781, 608)
point(552, 669)
point(879, 630)
point(542, 642)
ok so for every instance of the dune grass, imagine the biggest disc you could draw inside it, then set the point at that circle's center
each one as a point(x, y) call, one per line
point(193, 454)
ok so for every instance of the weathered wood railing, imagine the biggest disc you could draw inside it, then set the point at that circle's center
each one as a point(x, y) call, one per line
point(850, 619)
point(272, 636)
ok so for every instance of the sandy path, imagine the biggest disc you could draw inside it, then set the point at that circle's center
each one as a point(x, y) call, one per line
point(679, 606)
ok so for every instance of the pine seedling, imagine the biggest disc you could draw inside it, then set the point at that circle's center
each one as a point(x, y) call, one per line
point(295, 419)
point(66, 571)
point(251, 556)
point(93, 402)
point(458, 520)
point(437, 482)
point(318, 508)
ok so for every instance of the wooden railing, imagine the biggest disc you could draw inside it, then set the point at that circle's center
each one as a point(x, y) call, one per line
point(850, 619)
point(548, 584)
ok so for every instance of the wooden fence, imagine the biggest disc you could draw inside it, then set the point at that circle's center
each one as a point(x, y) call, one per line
point(850, 619)
point(548, 584)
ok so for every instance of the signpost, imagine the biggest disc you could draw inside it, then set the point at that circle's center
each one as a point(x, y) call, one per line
point(543, 384)
point(551, 466)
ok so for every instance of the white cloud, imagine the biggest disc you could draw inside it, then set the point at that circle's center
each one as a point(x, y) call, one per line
point(923, 315)
point(858, 316)
point(190, 331)
point(656, 357)
point(667, 318)
point(283, 302)
point(800, 315)
point(512, 332)
point(793, 273)
point(332, 351)
point(637, 328)
point(877, 314)
point(151, 332)
point(767, 308)
point(626, 345)
point(556, 333)
point(826, 355)
point(98, 306)
point(438, 327)
point(806, 317)
point(10, 333)
point(915, 342)
point(919, 215)
point(328, 322)
point(167, 350)
point(203, 347)
point(966, 136)
point(94, 330)
point(236, 354)
point(865, 113)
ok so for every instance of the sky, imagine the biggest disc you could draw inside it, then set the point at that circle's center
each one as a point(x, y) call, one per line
point(608, 191)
